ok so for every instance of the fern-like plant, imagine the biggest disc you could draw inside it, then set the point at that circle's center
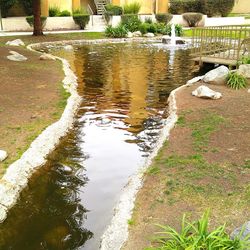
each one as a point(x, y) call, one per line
point(236, 81)
point(196, 235)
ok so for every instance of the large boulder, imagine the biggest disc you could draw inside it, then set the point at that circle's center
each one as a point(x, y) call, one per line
point(207, 93)
point(15, 56)
point(137, 34)
point(194, 80)
point(3, 155)
point(217, 76)
point(241, 232)
point(129, 35)
point(244, 70)
point(149, 35)
point(17, 42)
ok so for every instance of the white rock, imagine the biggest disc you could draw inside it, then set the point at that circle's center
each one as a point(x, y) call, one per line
point(149, 34)
point(3, 213)
point(217, 75)
point(194, 80)
point(47, 57)
point(248, 91)
point(15, 56)
point(244, 70)
point(17, 42)
point(3, 155)
point(68, 47)
point(129, 35)
point(137, 34)
point(205, 92)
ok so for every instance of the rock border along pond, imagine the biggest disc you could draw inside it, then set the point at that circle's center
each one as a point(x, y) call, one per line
point(17, 175)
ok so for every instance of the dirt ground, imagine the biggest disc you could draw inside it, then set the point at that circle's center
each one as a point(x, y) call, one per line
point(205, 164)
point(31, 98)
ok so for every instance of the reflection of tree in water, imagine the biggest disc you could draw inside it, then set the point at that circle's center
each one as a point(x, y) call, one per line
point(49, 214)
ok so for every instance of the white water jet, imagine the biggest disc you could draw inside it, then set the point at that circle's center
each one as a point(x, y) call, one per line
point(173, 36)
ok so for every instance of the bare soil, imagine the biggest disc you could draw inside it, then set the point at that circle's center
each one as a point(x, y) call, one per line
point(30, 98)
point(187, 179)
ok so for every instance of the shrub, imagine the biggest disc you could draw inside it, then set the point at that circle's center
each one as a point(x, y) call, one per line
point(114, 10)
point(117, 32)
point(131, 22)
point(192, 18)
point(148, 20)
point(148, 27)
point(182, 6)
point(6, 5)
point(196, 235)
point(27, 4)
point(236, 81)
point(30, 20)
point(64, 13)
point(178, 30)
point(163, 17)
point(81, 19)
point(163, 29)
point(132, 8)
point(244, 60)
point(225, 7)
point(54, 11)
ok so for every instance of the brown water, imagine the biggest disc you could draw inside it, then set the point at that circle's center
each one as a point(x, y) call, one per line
point(124, 89)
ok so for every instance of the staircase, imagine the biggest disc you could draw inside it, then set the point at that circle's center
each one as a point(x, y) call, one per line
point(100, 6)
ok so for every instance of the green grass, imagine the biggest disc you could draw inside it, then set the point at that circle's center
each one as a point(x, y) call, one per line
point(54, 37)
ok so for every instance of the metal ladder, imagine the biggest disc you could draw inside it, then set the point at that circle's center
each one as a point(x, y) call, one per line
point(100, 6)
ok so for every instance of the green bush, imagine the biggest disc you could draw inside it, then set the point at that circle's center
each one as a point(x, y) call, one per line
point(30, 20)
point(132, 8)
point(148, 27)
point(81, 19)
point(54, 11)
point(192, 18)
point(28, 6)
point(116, 32)
point(236, 81)
point(195, 235)
point(114, 10)
point(163, 29)
point(131, 22)
point(6, 5)
point(207, 7)
point(182, 6)
point(163, 17)
point(148, 20)
point(64, 13)
point(80, 11)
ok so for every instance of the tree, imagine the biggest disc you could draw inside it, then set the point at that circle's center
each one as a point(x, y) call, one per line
point(38, 30)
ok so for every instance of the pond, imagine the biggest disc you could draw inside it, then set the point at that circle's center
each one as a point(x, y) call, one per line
point(69, 202)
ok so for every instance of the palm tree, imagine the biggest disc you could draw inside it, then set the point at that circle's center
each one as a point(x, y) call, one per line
point(38, 31)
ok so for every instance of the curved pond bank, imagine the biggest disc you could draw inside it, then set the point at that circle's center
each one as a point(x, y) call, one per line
point(124, 90)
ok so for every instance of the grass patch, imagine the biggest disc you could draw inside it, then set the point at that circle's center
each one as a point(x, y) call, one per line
point(54, 37)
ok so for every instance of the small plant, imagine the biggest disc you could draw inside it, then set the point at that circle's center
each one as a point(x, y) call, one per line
point(163, 18)
point(112, 10)
point(64, 13)
point(148, 20)
point(131, 22)
point(192, 18)
point(132, 8)
point(81, 19)
point(54, 11)
point(148, 27)
point(244, 60)
point(117, 32)
point(30, 20)
point(236, 81)
point(196, 235)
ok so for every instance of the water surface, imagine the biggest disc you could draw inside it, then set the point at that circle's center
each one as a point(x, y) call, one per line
point(124, 88)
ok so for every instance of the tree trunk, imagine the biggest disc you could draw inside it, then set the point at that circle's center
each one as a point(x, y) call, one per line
point(37, 18)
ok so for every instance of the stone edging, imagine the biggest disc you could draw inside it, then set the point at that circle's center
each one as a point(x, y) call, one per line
point(16, 177)
point(117, 232)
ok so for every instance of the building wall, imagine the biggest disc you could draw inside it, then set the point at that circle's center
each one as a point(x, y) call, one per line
point(62, 4)
point(241, 6)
